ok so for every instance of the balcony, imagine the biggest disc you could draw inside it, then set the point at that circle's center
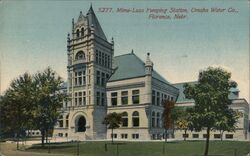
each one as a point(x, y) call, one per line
point(79, 61)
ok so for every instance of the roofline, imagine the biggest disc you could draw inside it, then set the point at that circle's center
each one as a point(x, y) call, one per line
point(169, 84)
point(124, 54)
point(241, 99)
point(125, 78)
point(184, 82)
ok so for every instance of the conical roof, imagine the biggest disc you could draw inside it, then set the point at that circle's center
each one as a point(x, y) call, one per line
point(93, 21)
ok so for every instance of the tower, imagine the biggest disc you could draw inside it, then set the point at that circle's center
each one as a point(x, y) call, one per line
point(89, 67)
point(148, 77)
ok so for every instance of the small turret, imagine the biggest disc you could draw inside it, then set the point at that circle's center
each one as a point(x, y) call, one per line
point(148, 65)
point(73, 25)
point(68, 43)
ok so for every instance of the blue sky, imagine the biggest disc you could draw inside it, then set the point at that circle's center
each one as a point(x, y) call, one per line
point(33, 36)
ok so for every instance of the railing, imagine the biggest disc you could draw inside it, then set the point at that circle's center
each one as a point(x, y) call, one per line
point(79, 61)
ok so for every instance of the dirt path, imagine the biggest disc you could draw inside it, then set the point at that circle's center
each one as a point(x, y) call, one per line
point(9, 149)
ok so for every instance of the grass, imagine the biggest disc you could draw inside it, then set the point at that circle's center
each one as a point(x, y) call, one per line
point(180, 148)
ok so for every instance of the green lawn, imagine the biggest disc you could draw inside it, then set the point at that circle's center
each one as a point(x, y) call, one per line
point(180, 148)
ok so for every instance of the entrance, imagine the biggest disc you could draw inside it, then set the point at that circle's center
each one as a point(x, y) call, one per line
point(81, 124)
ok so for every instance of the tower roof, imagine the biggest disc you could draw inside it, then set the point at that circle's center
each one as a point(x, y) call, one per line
point(93, 21)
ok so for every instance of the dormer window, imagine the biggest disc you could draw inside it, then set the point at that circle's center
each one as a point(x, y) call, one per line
point(77, 33)
point(80, 55)
point(82, 32)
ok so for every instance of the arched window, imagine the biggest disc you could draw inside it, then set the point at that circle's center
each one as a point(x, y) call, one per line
point(82, 32)
point(153, 119)
point(77, 33)
point(80, 55)
point(135, 119)
point(60, 120)
point(158, 120)
point(124, 119)
point(67, 120)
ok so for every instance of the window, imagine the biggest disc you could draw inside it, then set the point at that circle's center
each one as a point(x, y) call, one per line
point(124, 97)
point(82, 32)
point(89, 76)
point(84, 98)
point(80, 55)
point(124, 136)
point(103, 79)
point(172, 98)
point(124, 119)
point(153, 119)
point(204, 135)
point(229, 136)
point(114, 135)
point(217, 136)
point(103, 59)
point(80, 78)
point(98, 98)
point(158, 120)
point(195, 135)
point(96, 57)
point(60, 120)
point(158, 99)
point(76, 99)
point(108, 61)
point(100, 57)
point(153, 97)
point(80, 98)
point(67, 120)
point(77, 33)
point(165, 97)
point(89, 96)
point(185, 135)
point(136, 96)
point(107, 77)
point(103, 99)
point(98, 77)
point(76, 79)
point(135, 136)
point(135, 119)
point(114, 98)
point(84, 77)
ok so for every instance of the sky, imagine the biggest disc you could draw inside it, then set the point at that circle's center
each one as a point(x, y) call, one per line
point(33, 36)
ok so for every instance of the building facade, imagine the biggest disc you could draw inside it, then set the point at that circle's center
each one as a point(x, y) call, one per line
point(100, 83)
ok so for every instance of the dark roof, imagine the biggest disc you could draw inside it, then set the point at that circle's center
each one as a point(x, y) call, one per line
point(93, 21)
point(130, 66)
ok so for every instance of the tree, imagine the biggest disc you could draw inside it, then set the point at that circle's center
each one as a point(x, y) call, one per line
point(113, 121)
point(17, 107)
point(167, 116)
point(211, 100)
point(49, 100)
point(227, 123)
point(183, 121)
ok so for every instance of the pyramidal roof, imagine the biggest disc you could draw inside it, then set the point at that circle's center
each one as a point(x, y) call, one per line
point(93, 21)
point(131, 66)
